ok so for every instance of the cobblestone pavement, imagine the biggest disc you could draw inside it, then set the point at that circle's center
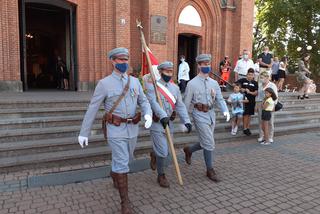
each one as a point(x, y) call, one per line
point(281, 178)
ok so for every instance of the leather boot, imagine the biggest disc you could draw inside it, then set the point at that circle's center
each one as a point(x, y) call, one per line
point(153, 161)
point(188, 155)
point(122, 180)
point(113, 175)
point(211, 174)
point(162, 180)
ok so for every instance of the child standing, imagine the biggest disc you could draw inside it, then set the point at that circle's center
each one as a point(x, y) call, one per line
point(267, 109)
point(236, 99)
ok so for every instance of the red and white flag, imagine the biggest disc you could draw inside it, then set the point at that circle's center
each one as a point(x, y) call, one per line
point(145, 71)
point(154, 63)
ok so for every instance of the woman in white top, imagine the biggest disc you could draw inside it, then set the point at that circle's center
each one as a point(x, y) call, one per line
point(282, 73)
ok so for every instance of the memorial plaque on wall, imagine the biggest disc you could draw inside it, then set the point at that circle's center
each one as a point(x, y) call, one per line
point(158, 29)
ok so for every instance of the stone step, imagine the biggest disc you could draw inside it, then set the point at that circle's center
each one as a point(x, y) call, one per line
point(67, 111)
point(26, 112)
point(76, 120)
point(17, 136)
point(48, 111)
point(9, 104)
point(41, 112)
point(58, 102)
point(104, 151)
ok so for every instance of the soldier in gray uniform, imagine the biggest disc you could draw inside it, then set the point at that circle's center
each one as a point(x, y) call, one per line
point(172, 104)
point(202, 93)
point(123, 122)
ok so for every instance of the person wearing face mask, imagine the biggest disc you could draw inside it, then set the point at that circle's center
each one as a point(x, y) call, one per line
point(202, 93)
point(264, 83)
point(183, 74)
point(242, 66)
point(162, 117)
point(265, 61)
point(120, 94)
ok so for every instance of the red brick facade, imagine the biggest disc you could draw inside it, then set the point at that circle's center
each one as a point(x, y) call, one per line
point(105, 24)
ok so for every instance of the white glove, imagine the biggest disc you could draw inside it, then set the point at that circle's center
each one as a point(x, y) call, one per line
point(148, 122)
point(83, 141)
point(226, 114)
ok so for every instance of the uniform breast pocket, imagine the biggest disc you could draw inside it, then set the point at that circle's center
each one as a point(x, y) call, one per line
point(198, 96)
point(212, 93)
point(132, 96)
point(113, 95)
point(133, 92)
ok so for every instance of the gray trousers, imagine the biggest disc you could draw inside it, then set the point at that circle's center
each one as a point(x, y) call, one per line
point(271, 123)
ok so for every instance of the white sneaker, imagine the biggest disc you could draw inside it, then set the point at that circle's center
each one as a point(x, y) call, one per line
point(271, 140)
point(235, 129)
point(260, 139)
point(267, 143)
point(262, 142)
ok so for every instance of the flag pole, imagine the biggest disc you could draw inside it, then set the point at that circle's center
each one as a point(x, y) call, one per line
point(167, 130)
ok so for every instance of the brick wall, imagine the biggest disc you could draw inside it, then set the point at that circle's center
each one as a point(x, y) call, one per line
point(291, 79)
point(9, 48)
point(99, 29)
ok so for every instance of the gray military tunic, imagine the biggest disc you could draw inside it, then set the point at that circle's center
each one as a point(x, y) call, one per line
point(122, 139)
point(157, 132)
point(205, 91)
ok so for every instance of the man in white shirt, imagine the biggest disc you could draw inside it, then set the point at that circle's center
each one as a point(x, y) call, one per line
point(183, 74)
point(243, 66)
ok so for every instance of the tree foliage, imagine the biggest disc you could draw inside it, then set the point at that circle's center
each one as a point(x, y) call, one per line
point(285, 25)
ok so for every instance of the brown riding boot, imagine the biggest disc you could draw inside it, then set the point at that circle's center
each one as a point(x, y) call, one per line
point(122, 180)
point(113, 175)
point(211, 174)
point(188, 155)
point(163, 182)
point(153, 161)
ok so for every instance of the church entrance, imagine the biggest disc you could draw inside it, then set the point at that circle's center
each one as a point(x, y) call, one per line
point(188, 45)
point(47, 45)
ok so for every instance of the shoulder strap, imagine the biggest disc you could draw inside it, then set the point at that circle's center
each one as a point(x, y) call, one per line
point(121, 96)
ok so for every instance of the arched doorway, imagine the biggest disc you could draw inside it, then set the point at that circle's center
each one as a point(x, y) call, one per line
point(188, 43)
point(48, 41)
point(188, 46)
point(197, 24)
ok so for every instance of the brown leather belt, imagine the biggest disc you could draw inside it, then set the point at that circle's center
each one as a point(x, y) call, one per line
point(172, 117)
point(116, 120)
point(202, 107)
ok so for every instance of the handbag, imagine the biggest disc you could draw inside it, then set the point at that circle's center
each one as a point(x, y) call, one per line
point(278, 106)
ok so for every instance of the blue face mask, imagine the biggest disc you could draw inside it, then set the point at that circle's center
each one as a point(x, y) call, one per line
point(206, 69)
point(122, 67)
point(166, 78)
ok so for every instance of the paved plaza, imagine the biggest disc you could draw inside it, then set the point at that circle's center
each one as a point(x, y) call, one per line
point(281, 178)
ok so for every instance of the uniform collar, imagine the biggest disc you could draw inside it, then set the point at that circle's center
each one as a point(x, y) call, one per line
point(163, 82)
point(202, 78)
point(120, 76)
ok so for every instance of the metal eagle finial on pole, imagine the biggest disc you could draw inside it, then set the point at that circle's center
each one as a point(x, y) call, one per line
point(167, 130)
